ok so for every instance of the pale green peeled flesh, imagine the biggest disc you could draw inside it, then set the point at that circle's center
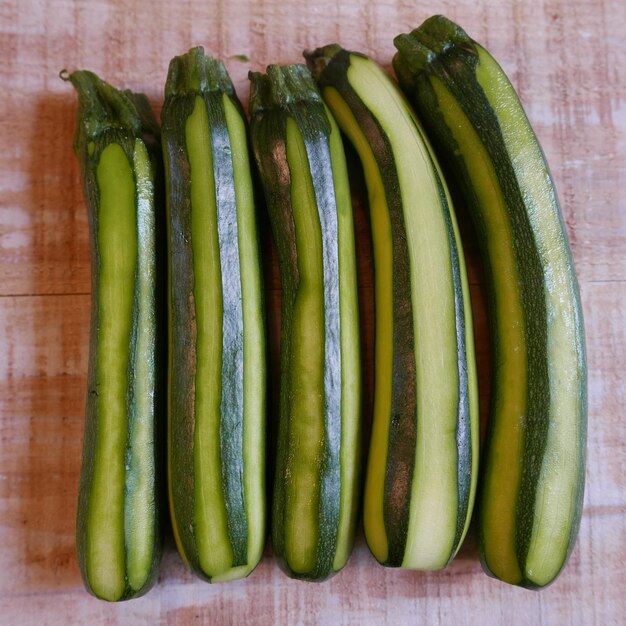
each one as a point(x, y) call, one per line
point(211, 529)
point(117, 248)
point(306, 432)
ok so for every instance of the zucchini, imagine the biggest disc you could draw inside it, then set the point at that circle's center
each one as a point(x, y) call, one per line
point(217, 370)
point(300, 157)
point(533, 475)
point(118, 529)
point(423, 457)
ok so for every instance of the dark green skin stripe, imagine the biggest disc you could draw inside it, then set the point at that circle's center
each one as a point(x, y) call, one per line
point(290, 93)
point(268, 138)
point(318, 153)
point(231, 424)
point(403, 427)
point(440, 49)
point(107, 116)
point(191, 76)
point(270, 135)
point(182, 317)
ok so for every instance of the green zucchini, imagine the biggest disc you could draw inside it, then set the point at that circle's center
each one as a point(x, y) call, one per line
point(300, 157)
point(533, 475)
point(423, 457)
point(217, 371)
point(118, 529)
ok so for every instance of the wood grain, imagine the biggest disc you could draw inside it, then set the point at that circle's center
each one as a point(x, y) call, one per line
point(568, 61)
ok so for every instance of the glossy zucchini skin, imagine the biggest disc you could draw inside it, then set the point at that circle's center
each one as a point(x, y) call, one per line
point(423, 457)
point(217, 368)
point(300, 158)
point(533, 476)
point(118, 522)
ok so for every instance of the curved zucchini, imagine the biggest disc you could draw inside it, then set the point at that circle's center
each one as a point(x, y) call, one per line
point(217, 395)
point(300, 157)
point(423, 457)
point(532, 485)
point(118, 529)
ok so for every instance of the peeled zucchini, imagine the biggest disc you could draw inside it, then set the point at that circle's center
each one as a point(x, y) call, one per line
point(423, 457)
point(533, 479)
point(300, 157)
point(217, 370)
point(118, 528)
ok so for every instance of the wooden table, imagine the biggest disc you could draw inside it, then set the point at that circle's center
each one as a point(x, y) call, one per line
point(567, 60)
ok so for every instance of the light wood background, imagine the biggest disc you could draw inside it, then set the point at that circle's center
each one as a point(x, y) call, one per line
point(567, 59)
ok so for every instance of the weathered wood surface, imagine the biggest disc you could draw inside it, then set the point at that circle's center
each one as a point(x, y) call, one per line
point(568, 62)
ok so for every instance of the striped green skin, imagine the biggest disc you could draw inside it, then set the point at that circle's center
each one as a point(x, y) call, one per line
point(118, 527)
point(422, 467)
point(217, 395)
point(533, 479)
point(300, 157)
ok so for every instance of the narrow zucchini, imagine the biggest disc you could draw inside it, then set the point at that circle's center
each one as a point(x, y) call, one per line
point(118, 530)
point(300, 156)
point(533, 478)
point(216, 415)
point(423, 456)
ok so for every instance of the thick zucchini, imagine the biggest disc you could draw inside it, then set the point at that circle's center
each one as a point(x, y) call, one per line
point(423, 457)
point(300, 156)
point(217, 395)
point(533, 478)
point(118, 529)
